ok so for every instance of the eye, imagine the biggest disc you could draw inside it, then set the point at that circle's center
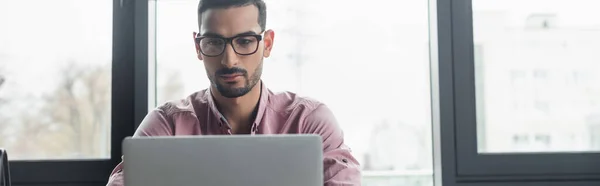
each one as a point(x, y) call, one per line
point(212, 41)
point(243, 41)
point(215, 42)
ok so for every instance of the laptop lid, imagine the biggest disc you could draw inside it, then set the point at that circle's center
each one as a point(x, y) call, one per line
point(224, 160)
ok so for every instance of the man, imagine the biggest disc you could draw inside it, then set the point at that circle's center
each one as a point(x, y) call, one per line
point(232, 44)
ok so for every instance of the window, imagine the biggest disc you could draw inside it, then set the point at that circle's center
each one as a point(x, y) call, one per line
point(542, 139)
point(520, 139)
point(56, 74)
point(527, 64)
point(520, 142)
point(541, 21)
point(60, 112)
point(550, 55)
point(397, 147)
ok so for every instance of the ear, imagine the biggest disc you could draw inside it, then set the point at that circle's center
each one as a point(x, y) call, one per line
point(268, 40)
point(197, 45)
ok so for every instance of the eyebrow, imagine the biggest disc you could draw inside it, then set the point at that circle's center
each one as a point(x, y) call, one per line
point(212, 34)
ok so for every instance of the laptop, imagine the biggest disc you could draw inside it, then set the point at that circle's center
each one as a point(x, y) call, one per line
point(224, 160)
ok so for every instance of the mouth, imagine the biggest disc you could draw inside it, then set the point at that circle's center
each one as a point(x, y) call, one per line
point(230, 77)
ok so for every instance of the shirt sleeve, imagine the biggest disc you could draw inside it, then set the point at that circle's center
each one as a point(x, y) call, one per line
point(340, 167)
point(154, 124)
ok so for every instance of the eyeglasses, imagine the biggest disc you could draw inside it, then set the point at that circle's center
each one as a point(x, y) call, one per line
point(212, 46)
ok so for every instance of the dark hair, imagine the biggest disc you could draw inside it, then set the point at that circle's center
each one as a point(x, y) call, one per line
point(204, 5)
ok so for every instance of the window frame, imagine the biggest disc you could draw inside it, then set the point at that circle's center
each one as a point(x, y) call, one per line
point(456, 160)
point(470, 163)
point(128, 104)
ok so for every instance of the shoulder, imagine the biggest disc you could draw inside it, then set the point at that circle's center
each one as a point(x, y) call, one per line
point(160, 121)
point(290, 103)
point(190, 104)
point(312, 114)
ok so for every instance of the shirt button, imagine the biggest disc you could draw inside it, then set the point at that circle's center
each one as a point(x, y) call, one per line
point(345, 160)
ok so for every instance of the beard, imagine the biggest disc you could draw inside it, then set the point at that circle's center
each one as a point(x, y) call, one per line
point(233, 92)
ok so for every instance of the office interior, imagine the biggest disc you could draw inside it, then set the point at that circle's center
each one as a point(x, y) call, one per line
point(428, 92)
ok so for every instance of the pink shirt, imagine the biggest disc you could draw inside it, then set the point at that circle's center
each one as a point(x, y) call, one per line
point(278, 113)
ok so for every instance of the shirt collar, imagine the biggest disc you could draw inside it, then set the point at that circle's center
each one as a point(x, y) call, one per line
point(262, 105)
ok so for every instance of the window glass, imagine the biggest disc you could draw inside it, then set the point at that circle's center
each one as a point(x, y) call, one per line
point(55, 79)
point(369, 62)
point(539, 75)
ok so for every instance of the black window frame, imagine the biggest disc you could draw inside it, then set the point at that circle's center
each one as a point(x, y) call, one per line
point(128, 105)
point(456, 155)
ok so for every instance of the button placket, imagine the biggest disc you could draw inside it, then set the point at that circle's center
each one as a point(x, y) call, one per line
point(254, 129)
point(224, 126)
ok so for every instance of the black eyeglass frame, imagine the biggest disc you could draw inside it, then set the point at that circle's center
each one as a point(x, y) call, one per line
point(229, 41)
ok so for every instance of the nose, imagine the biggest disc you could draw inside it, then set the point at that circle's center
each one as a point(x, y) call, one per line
point(230, 58)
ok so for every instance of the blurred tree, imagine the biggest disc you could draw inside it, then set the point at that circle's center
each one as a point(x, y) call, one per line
point(79, 110)
point(78, 114)
point(73, 120)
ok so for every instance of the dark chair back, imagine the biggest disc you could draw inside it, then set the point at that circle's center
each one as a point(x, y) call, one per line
point(4, 169)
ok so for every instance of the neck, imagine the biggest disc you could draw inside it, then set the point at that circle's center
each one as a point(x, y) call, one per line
point(240, 110)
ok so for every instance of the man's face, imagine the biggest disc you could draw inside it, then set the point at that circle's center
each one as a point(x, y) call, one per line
point(232, 46)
